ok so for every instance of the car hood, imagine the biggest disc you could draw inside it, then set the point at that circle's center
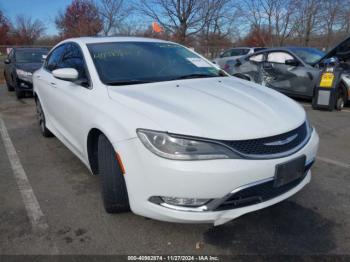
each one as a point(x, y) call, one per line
point(28, 67)
point(341, 51)
point(220, 108)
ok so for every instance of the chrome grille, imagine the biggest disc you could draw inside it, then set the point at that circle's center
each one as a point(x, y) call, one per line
point(272, 145)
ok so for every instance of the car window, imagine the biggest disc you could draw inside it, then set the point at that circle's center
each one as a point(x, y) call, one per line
point(125, 62)
point(308, 55)
point(257, 49)
point(73, 58)
point(239, 52)
point(226, 53)
point(257, 58)
point(54, 58)
point(278, 57)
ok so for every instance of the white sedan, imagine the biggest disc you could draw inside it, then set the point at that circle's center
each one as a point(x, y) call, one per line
point(172, 137)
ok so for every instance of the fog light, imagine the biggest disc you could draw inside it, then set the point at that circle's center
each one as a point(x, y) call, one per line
point(186, 202)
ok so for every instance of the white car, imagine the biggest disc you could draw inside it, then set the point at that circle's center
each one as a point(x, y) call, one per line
point(172, 137)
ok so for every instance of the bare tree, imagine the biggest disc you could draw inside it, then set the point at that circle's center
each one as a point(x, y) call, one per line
point(183, 18)
point(4, 28)
point(217, 33)
point(113, 13)
point(344, 16)
point(332, 17)
point(26, 30)
point(308, 19)
point(272, 19)
point(280, 15)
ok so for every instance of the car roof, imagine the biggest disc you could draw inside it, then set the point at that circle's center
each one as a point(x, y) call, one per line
point(30, 48)
point(93, 40)
point(242, 47)
point(285, 48)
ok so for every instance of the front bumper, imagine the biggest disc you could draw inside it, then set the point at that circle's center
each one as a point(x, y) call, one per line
point(148, 175)
point(24, 85)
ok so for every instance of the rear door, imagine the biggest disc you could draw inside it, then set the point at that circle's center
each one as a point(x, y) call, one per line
point(288, 79)
point(46, 85)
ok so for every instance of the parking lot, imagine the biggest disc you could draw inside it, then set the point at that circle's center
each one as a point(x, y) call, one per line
point(314, 221)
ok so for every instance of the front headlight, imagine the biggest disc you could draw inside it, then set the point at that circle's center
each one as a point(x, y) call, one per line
point(183, 148)
point(23, 74)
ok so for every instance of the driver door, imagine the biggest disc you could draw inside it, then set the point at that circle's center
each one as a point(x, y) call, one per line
point(288, 79)
point(72, 100)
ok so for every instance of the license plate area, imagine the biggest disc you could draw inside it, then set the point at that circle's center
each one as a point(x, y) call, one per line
point(289, 171)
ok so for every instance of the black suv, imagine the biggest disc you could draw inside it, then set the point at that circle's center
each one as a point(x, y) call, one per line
point(19, 67)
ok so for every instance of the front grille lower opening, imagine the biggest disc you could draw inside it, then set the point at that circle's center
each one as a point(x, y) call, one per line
point(260, 193)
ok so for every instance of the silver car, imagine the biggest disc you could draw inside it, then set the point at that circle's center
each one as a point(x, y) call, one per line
point(293, 71)
point(234, 53)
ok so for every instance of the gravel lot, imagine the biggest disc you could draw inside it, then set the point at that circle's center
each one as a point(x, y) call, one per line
point(313, 222)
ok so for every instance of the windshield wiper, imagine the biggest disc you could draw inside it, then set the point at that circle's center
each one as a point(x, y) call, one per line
point(127, 82)
point(194, 76)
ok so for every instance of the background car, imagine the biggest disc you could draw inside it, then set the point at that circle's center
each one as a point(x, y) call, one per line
point(19, 67)
point(293, 71)
point(234, 53)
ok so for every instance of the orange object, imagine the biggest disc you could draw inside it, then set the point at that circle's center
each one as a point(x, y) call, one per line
point(156, 27)
point(117, 156)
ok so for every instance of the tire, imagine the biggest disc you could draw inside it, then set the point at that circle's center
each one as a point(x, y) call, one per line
point(19, 93)
point(341, 98)
point(42, 122)
point(9, 87)
point(114, 191)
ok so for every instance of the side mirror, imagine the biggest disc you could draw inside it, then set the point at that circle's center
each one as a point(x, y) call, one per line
point(238, 62)
point(7, 61)
point(43, 57)
point(292, 62)
point(67, 74)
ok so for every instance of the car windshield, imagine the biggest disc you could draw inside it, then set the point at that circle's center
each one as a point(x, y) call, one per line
point(30, 56)
point(308, 55)
point(122, 63)
point(238, 52)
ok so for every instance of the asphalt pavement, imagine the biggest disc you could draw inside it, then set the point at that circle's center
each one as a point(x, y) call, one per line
point(315, 221)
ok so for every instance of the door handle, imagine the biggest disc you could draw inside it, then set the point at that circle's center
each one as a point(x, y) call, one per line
point(53, 84)
point(38, 76)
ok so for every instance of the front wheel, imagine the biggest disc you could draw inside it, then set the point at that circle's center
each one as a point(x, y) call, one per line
point(19, 93)
point(114, 191)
